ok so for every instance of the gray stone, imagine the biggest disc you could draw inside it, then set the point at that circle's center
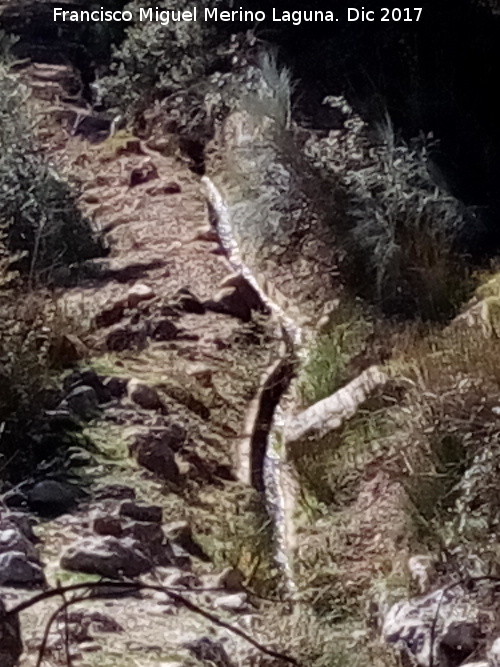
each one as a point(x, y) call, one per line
point(22, 522)
point(11, 539)
point(116, 386)
point(458, 642)
point(180, 532)
point(143, 174)
point(62, 419)
point(15, 499)
point(209, 651)
point(108, 525)
point(148, 513)
point(88, 378)
point(143, 395)
point(149, 535)
point(163, 330)
point(138, 293)
point(49, 495)
point(411, 625)
point(107, 556)
point(127, 337)
point(422, 569)
point(174, 578)
point(184, 300)
point(178, 556)
point(236, 602)
point(115, 492)
point(174, 436)
point(156, 456)
point(110, 315)
point(82, 401)
point(18, 570)
point(494, 654)
point(231, 579)
point(77, 457)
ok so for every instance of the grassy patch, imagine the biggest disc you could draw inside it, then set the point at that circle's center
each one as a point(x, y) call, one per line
point(328, 365)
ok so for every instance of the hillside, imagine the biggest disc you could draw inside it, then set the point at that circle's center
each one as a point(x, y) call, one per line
point(249, 400)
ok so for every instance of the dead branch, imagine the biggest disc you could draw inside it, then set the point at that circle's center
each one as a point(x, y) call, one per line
point(136, 586)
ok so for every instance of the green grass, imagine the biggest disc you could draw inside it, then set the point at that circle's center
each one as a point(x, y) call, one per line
point(328, 363)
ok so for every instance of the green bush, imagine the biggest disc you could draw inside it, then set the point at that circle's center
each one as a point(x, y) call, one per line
point(156, 61)
point(400, 227)
point(39, 218)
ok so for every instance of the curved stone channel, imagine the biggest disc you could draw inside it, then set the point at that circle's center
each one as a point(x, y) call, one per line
point(261, 457)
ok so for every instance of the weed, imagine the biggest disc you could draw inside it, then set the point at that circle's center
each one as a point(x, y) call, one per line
point(328, 362)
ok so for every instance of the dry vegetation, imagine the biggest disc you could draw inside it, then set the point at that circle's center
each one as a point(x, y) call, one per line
point(41, 229)
point(413, 472)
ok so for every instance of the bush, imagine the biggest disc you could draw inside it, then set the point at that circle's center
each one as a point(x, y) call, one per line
point(39, 218)
point(401, 228)
point(41, 228)
point(155, 61)
point(29, 327)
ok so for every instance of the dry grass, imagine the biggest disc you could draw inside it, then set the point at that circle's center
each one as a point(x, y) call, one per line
point(412, 472)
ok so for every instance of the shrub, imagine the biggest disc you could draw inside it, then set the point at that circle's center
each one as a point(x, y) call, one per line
point(155, 61)
point(40, 229)
point(28, 328)
point(401, 228)
point(39, 217)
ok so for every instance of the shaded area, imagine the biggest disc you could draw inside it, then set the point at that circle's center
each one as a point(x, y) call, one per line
point(438, 75)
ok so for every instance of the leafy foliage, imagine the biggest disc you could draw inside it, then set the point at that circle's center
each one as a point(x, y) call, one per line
point(39, 217)
point(155, 60)
point(401, 227)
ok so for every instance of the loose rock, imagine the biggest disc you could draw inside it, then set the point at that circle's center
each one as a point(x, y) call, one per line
point(50, 496)
point(143, 174)
point(138, 293)
point(11, 645)
point(163, 330)
point(110, 315)
point(143, 395)
point(148, 513)
point(237, 602)
point(13, 540)
point(108, 525)
point(107, 556)
point(83, 402)
point(128, 337)
point(116, 386)
point(18, 570)
point(180, 532)
point(156, 456)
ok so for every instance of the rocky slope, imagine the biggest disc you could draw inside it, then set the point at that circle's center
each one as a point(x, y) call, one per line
point(169, 364)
